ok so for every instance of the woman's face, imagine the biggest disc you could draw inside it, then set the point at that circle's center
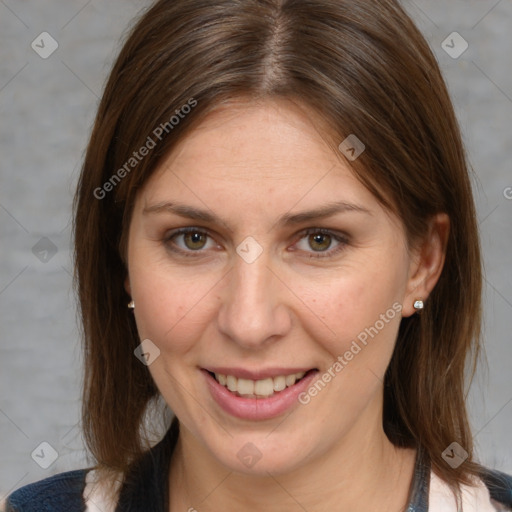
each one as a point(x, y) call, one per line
point(289, 267)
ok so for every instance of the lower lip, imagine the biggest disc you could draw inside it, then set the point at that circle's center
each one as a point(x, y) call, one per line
point(257, 409)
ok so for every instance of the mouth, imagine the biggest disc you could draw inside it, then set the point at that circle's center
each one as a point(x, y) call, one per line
point(267, 395)
point(262, 388)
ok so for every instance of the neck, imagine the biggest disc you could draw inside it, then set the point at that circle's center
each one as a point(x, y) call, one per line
point(363, 471)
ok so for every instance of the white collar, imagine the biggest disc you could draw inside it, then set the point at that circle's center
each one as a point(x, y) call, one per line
point(474, 498)
point(96, 496)
point(441, 499)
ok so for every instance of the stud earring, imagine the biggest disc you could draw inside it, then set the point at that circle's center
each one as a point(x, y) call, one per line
point(418, 305)
point(131, 304)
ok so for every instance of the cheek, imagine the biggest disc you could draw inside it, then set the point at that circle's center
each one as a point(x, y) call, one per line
point(172, 308)
point(362, 305)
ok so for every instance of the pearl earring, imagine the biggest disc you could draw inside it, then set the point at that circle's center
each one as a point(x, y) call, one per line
point(418, 305)
point(131, 304)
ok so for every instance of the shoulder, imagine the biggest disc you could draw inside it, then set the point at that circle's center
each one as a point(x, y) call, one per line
point(492, 492)
point(61, 492)
point(499, 486)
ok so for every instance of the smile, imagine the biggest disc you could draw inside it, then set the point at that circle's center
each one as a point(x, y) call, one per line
point(257, 388)
point(257, 399)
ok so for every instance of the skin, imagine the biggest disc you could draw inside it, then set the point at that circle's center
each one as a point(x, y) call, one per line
point(250, 164)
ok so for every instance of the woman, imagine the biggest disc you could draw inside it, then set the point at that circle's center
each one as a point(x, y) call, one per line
point(276, 239)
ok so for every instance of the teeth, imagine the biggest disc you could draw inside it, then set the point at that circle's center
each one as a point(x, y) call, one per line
point(290, 380)
point(232, 383)
point(263, 387)
point(279, 383)
point(258, 388)
point(245, 386)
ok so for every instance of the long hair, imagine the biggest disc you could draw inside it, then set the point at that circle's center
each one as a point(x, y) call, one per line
point(365, 68)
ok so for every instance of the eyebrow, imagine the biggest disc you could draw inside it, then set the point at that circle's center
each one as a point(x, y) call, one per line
point(190, 212)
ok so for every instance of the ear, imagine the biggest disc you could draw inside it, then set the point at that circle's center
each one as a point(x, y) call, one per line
point(427, 262)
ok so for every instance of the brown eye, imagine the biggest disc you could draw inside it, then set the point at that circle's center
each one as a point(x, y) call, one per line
point(194, 240)
point(320, 241)
point(189, 242)
point(317, 243)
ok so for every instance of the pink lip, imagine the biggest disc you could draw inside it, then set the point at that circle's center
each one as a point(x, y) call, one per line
point(257, 409)
point(243, 373)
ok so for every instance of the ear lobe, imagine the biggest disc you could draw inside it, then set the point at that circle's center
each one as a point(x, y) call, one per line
point(427, 263)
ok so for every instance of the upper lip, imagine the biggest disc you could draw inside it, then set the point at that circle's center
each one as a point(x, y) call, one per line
point(244, 373)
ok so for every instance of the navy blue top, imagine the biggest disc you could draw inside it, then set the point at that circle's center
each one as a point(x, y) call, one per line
point(145, 488)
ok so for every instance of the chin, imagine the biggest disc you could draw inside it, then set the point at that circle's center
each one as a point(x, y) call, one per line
point(259, 454)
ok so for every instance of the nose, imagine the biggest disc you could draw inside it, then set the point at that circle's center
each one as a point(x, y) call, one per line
point(253, 311)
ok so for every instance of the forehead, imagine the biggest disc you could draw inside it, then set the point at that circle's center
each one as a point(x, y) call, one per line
point(258, 151)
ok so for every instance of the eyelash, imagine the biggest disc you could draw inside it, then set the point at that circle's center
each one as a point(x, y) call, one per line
point(342, 240)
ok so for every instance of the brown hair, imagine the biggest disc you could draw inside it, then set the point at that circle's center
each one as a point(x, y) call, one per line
point(364, 68)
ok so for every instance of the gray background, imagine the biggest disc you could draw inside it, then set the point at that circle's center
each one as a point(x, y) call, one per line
point(46, 110)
